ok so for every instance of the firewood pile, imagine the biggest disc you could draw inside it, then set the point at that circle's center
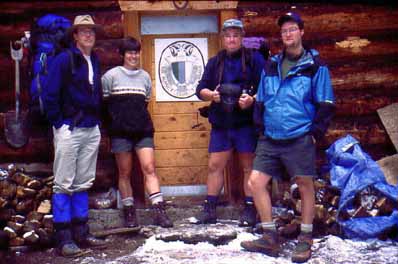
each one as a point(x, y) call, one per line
point(367, 203)
point(25, 207)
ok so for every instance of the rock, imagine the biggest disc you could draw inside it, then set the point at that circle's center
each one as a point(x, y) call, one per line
point(218, 234)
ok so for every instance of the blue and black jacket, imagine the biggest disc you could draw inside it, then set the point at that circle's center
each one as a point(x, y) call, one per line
point(301, 103)
point(232, 72)
point(68, 97)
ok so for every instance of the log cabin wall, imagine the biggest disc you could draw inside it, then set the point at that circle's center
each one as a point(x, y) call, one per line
point(365, 78)
point(359, 42)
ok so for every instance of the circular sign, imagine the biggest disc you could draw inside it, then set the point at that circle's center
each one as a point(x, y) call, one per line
point(181, 66)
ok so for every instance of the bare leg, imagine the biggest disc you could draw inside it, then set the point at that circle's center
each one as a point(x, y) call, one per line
point(307, 194)
point(146, 157)
point(124, 161)
point(215, 179)
point(246, 160)
point(258, 183)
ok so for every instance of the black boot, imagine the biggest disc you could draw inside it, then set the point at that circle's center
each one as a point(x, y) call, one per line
point(248, 216)
point(208, 214)
point(66, 247)
point(130, 218)
point(160, 217)
point(82, 236)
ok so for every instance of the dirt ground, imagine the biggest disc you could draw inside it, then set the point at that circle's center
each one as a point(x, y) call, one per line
point(120, 245)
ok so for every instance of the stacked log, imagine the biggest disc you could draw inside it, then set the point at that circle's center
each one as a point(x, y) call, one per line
point(367, 203)
point(25, 206)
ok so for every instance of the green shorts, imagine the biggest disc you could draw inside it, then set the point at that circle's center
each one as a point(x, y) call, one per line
point(120, 144)
point(294, 156)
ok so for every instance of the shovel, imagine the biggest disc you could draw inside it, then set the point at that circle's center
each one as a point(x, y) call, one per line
point(15, 122)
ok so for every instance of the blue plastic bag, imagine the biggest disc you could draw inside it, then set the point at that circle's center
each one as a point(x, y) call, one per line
point(352, 170)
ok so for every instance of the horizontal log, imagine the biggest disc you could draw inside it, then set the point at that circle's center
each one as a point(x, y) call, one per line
point(378, 51)
point(191, 175)
point(370, 134)
point(361, 105)
point(22, 8)
point(178, 140)
point(181, 157)
point(333, 20)
point(180, 122)
point(177, 108)
point(350, 79)
point(107, 51)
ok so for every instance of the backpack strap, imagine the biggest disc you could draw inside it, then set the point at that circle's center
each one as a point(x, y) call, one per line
point(72, 61)
point(220, 65)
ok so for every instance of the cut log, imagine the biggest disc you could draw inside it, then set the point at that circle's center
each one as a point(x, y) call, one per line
point(31, 237)
point(15, 226)
point(24, 192)
point(16, 242)
point(34, 215)
point(7, 189)
point(21, 179)
point(44, 207)
point(11, 232)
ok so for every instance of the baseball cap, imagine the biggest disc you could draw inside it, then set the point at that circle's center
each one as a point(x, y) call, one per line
point(232, 23)
point(291, 16)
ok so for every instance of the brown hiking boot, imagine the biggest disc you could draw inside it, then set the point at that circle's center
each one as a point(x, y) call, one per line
point(268, 244)
point(130, 218)
point(302, 252)
point(160, 217)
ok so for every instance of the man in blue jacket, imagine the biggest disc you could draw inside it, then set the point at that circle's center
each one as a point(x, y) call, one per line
point(296, 103)
point(229, 81)
point(72, 97)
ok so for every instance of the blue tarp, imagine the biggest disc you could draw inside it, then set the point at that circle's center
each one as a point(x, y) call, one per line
point(352, 170)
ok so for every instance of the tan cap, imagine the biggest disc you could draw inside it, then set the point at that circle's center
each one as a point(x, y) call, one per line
point(84, 20)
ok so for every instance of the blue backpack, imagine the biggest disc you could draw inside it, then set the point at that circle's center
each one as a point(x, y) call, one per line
point(48, 38)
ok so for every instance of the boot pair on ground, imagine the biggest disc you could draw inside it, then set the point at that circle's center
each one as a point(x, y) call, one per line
point(208, 214)
point(159, 215)
point(269, 244)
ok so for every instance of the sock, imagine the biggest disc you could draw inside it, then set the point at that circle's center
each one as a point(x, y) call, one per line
point(306, 228)
point(129, 201)
point(249, 200)
point(212, 198)
point(268, 226)
point(156, 197)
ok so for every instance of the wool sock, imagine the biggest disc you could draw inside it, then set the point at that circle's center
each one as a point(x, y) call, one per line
point(129, 201)
point(249, 200)
point(306, 228)
point(156, 197)
point(268, 226)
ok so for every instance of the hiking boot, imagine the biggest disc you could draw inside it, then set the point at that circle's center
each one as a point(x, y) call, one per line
point(302, 252)
point(93, 242)
point(268, 244)
point(248, 216)
point(84, 239)
point(160, 217)
point(130, 218)
point(208, 214)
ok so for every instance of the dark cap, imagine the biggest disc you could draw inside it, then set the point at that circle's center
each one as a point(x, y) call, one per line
point(291, 16)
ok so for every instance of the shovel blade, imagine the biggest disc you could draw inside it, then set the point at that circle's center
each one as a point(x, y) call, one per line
point(16, 129)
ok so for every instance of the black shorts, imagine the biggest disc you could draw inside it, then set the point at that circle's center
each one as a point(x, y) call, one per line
point(296, 156)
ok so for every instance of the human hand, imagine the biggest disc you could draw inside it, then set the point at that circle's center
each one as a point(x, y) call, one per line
point(245, 101)
point(216, 95)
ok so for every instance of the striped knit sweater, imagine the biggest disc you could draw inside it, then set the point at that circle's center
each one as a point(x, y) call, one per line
point(126, 93)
